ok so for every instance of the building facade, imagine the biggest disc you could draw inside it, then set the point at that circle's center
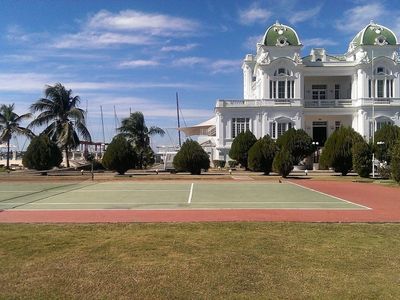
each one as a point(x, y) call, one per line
point(318, 93)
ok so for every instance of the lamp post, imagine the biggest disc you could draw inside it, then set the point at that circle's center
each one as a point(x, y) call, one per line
point(316, 158)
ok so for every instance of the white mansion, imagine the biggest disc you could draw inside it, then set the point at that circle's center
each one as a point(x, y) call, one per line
point(318, 93)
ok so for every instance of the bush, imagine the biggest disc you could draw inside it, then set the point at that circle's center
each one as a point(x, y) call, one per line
point(384, 171)
point(283, 163)
point(232, 163)
point(119, 155)
point(389, 135)
point(219, 163)
point(147, 155)
point(337, 152)
point(297, 142)
point(261, 155)
point(362, 158)
point(395, 164)
point(241, 146)
point(191, 158)
point(42, 154)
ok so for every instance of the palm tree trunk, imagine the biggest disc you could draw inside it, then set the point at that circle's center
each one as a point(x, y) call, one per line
point(66, 156)
point(8, 154)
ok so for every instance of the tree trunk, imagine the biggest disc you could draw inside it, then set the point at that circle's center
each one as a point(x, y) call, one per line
point(8, 154)
point(66, 156)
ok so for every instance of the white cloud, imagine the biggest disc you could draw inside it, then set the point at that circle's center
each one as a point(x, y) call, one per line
point(214, 66)
point(133, 20)
point(190, 61)
point(139, 63)
point(317, 42)
point(225, 66)
point(252, 41)
point(35, 82)
point(127, 27)
point(304, 15)
point(358, 17)
point(254, 14)
point(100, 40)
point(150, 108)
point(179, 48)
point(23, 82)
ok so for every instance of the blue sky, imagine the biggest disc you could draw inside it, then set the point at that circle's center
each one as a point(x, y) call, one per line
point(137, 54)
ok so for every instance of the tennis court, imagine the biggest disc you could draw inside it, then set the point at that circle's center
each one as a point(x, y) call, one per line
point(157, 195)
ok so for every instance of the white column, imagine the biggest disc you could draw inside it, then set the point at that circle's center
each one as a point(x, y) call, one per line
point(286, 85)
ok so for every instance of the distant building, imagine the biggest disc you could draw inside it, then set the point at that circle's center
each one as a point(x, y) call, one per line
point(318, 93)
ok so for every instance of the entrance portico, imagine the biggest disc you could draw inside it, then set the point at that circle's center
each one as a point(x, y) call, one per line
point(320, 127)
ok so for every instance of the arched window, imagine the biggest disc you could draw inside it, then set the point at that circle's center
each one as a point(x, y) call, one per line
point(279, 126)
point(381, 84)
point(379, 123)
point(281, 85)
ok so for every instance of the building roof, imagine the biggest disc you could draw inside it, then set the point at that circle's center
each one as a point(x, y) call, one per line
point(281, 35)
point(199, 128)
point(374, 34)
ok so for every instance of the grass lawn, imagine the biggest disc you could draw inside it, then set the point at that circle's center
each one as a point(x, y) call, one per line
point(200, 260)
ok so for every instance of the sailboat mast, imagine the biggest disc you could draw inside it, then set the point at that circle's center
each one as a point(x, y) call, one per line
point(177, 114)
point(102, 123)
point(115, 121)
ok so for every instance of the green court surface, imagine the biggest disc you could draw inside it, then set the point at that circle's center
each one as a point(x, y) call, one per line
point(161, 195)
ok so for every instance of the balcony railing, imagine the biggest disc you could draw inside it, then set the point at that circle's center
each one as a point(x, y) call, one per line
point(380, 101)
point(324, 103)
point(308, 103)
point(257, 102)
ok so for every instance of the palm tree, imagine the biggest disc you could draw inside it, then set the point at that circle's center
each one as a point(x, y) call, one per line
point(134, 129)
point(64, 120)
point(10, 125)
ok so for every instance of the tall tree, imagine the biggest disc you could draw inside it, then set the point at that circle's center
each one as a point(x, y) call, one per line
point(10, 125)
point(134, 129)
point(241, 146)
point(63, 119)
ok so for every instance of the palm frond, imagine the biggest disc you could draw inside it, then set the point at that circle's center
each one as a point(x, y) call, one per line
point(83, 131)
point(156, 130)
point(24, 131)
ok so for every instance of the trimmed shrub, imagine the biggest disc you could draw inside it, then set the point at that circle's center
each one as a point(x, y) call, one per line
point(261, 155)
point(119, 155)
point(389, 135)
point(337, 152)
point(297, 142)
point(395, 164)
point(42, 154)
point(219, 163)
point(147, 155)
point(362, 158)
point(283, 163)
point(384, 171)
point(241, 146)
point(191, 158)
point(232, 163)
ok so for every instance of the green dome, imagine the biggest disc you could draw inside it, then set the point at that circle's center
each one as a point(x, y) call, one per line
point(374, 34)
point(281, 35)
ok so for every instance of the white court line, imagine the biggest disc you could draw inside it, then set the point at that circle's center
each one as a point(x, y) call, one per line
point(174, 209)
point(79, 191)
point(191, 193)
point(160, 203)
point(20, 191)
point(167, 190)
point(322, 193)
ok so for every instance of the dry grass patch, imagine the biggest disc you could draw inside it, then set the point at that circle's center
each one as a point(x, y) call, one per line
point(204, 260)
